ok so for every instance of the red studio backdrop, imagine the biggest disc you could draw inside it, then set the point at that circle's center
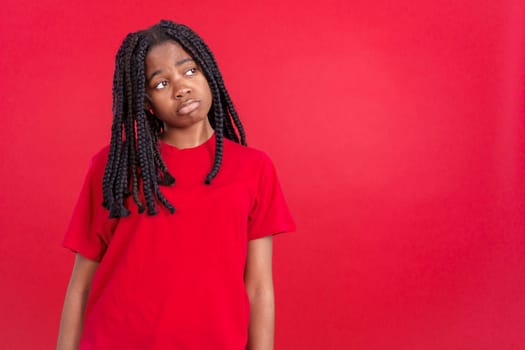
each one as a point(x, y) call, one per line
point(398, 132)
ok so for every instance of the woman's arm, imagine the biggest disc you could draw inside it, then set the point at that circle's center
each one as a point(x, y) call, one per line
point(259, 286)
point(75, 303)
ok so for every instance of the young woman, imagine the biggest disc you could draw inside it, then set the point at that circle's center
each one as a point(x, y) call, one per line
point(173, 226)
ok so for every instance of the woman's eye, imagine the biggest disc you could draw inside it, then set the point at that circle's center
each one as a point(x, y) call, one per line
point(191, 71)
point(161, 85)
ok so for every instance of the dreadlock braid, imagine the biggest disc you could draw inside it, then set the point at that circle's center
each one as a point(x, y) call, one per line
point(134, 160)
point(129, 120)
point(130, 129)
point(145, 154)
point(116, 131)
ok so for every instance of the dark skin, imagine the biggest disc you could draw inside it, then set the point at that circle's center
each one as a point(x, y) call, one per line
point(178, 94)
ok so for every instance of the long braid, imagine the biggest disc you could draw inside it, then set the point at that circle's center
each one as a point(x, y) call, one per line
point(136, 159)
point(228, 130)
point(130, 122)
point(145, 154)
point(232, 111)
point(151, 143)
point(164, 178)
point(111, 170)
point(130, 132)
point(122, 182)
point(219, 141)
point(120, 177)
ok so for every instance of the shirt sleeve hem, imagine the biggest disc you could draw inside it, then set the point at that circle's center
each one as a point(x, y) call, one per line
point(85, 253)
point(284, 229)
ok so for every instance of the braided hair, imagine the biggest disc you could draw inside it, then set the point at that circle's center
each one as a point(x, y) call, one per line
point(134, 148)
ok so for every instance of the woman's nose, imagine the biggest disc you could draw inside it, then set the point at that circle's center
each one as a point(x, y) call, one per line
point(180, 93)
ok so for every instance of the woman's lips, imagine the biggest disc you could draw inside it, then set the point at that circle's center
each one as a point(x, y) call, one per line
point(188, 107)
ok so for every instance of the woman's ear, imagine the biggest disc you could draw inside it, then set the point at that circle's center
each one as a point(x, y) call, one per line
point(148, 107)
point(147, 101)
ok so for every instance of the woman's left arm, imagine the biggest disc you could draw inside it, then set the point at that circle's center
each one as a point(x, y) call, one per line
point(259, 286)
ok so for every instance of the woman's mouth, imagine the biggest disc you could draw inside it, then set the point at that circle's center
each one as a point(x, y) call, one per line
point(188, 107)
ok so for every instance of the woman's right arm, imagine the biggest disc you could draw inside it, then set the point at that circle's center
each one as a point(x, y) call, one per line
point(75, 303)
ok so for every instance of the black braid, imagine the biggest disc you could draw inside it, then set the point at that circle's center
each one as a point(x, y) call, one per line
point(111, 172)
point(134, 159)
point(145, 153)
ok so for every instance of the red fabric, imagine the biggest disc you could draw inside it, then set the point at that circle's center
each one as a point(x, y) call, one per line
point(176, 281)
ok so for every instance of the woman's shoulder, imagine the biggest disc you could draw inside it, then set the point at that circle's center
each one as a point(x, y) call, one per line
point(98, 161)
point(245, 153)
point(101, 155)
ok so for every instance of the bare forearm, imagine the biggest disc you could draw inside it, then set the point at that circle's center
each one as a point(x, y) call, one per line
point(72, 319)
point(262, 320)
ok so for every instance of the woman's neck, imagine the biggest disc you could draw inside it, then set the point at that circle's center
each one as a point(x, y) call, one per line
point(192, 136)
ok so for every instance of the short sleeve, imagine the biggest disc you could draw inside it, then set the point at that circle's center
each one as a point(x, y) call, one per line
point(87, 229)
point(269, 214)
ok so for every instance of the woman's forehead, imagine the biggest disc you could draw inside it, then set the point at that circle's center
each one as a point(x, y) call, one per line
point(165, 56)
point(167, 48)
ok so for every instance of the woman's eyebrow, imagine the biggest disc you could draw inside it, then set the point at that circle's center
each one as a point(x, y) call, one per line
point(178, 63)
point(184, 60)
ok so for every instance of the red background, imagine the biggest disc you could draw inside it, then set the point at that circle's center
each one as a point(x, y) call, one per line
point(397, 128)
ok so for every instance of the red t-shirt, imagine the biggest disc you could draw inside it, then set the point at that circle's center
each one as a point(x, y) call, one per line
point(175, 281)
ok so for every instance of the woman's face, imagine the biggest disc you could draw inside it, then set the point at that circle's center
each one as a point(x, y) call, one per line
point(176, 88)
